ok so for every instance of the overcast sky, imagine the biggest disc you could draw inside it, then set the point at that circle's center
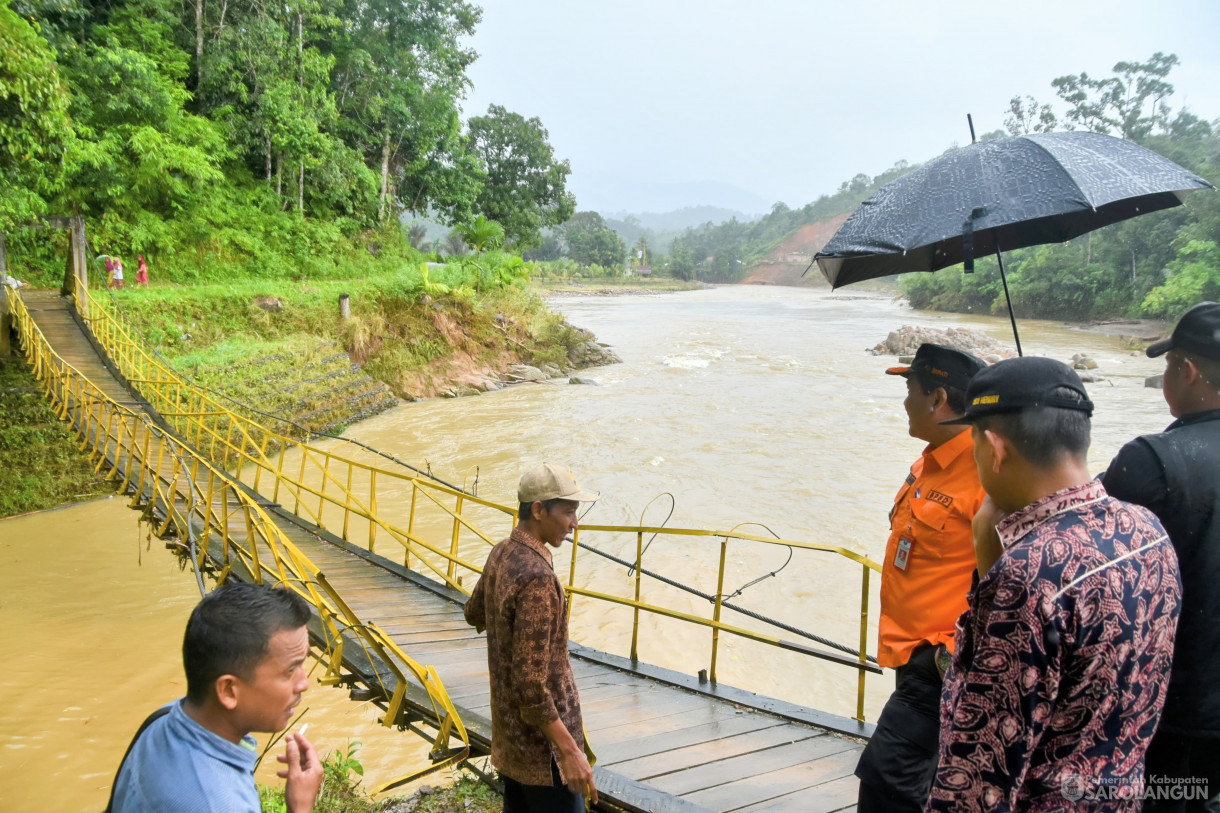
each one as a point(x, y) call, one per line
point(659, 103)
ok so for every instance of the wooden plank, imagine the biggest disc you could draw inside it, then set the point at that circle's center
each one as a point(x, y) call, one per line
point(809, 776)
point(836, 796)
point(404, 637)
point(612, 731)
point(609, 695)
point(611, 754)
point(747, 765)
point(611, 785)
point(692, 756)
point(638, 708)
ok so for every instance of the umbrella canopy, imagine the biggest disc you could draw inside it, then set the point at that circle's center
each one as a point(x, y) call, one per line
point(999, 195)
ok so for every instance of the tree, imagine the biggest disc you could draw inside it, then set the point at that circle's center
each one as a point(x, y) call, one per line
point(34, 124)
point(681, 261)
point(401, 72)
point(137, 148)
point(591, 242)
point(1132, 101)
point(525, 186)
point(1028, 116)
point(454, 245)
point(480, 234)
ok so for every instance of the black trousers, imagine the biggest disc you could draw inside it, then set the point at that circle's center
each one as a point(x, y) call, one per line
point(899, 762)
point(1188, 763)
point(556, 798)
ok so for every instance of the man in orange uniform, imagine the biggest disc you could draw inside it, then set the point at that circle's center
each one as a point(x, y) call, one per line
point(929, 561)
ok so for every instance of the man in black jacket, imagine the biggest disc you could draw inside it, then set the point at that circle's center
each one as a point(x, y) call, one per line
point(1176, 474)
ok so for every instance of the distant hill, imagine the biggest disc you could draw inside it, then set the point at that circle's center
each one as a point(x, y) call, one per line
point(620, 192)
point(785, 263)
point(680, 219)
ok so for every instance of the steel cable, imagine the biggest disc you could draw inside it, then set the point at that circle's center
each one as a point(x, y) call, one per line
point(309, 434)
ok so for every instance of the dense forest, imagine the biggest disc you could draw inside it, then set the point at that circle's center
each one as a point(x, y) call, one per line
point(1156, 265)
point(240, 138)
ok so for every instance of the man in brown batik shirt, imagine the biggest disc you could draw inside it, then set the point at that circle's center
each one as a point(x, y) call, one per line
point(537, 732)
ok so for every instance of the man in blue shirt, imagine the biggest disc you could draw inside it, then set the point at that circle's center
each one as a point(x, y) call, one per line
point(244, 654)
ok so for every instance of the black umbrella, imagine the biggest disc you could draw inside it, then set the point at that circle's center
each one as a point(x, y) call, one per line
point(999, 195)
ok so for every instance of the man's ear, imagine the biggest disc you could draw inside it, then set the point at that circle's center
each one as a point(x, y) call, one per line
point(1190, 371)
point(227, 689)
point(536, 509)
point(999, 449)
point(939, 398)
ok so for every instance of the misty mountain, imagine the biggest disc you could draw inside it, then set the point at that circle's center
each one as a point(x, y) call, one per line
point(607, 192)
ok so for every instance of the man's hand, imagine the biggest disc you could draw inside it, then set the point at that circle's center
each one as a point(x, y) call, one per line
point(304, 774)
point(573, 764)
point(987, 547)
point(577, 773)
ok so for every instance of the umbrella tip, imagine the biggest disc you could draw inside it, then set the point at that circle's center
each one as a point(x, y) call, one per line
point(970, 121)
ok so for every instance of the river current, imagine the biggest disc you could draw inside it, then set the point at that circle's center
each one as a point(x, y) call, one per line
point(746, 404)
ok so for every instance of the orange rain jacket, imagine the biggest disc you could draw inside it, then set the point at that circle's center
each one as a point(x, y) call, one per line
point(929, 558)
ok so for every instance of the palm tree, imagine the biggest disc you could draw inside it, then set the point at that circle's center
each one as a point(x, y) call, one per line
point(481, 233)
point(416, 236)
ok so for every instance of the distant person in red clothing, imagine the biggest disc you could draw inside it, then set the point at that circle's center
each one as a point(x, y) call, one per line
point(142, 272)
point(109, 271)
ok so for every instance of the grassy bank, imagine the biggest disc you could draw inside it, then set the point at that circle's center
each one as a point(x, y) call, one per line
point(419, 333)
point(41, 465)
point(552, 285)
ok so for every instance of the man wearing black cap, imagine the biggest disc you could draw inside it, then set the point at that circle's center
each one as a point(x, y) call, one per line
point(1062, 661)
point(1176, 474)
point(929, 559)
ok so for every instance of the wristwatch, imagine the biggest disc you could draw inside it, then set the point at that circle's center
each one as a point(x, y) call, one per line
point(943, 659)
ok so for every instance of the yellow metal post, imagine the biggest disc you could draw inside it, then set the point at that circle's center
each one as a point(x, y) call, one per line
point(863, 644)
point(457, 527)
point(406, 556)
point(373, 508)
point(300, 484)
point(347, 505)
point(724, 550)
point(635, 624)
point(572, 569)
point(279, 471)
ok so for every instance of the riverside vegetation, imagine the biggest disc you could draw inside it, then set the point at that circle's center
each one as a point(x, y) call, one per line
point(342, 792)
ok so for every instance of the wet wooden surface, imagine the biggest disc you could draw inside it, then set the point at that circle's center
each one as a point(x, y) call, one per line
point(660, 747)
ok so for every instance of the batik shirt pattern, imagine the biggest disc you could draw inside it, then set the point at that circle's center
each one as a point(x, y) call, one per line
point(1062, 660)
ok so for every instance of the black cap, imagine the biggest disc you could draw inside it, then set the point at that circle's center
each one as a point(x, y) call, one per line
point(943, 365)
point(1197, 331)
point(1021, 383)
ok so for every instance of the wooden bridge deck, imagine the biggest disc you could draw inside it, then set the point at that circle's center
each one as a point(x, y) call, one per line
point(664, 741)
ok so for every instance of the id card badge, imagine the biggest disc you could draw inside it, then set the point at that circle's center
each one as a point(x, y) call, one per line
point(903, 554)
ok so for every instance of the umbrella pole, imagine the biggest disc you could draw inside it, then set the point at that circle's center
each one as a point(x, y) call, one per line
point(1007, 298)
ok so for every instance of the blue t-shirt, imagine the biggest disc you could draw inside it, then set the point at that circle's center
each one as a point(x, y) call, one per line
point(178, 766)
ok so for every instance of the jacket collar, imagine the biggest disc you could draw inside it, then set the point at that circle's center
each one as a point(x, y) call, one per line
point(1019, 523)
point(947, 452)
point(1195, 417)
point(533, 543)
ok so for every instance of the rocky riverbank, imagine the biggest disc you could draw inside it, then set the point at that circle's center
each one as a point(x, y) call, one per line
point(906, 340)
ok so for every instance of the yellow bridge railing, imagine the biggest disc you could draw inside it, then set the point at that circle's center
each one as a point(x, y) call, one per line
point(205, 506)
point(362, 503)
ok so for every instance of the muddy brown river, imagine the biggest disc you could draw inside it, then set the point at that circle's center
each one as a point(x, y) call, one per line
point(746, 404)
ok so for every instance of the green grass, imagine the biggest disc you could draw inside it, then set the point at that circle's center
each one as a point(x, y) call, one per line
point(343, 791)
point(41, 465)
point(400, 334)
